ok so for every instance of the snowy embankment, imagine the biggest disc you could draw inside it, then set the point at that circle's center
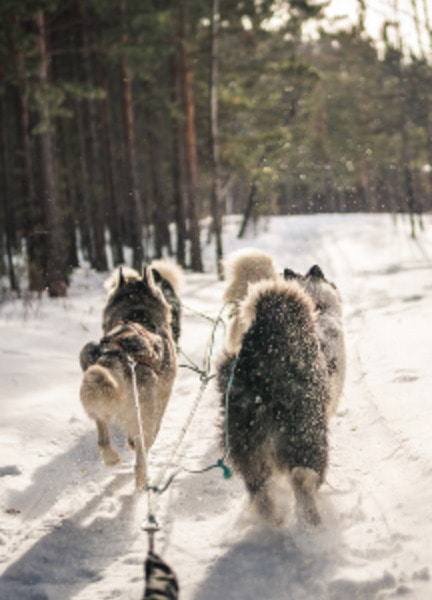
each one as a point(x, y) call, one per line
point(70, 527)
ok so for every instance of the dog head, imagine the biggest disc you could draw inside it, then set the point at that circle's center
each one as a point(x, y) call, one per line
point(323, 292)
point(136, 298)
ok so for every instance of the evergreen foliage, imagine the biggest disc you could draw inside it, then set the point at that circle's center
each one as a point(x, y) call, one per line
point(109, 137)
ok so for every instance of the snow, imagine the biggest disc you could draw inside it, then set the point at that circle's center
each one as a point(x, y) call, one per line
point(71, 527)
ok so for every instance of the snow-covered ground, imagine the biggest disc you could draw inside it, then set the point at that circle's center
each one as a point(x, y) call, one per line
point(70, 527)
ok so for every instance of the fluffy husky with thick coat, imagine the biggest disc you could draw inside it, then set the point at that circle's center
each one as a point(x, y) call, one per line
point(275, 392)
point(330, 327)
point(138, 344)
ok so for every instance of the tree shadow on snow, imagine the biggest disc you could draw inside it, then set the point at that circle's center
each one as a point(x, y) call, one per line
point(73, 554)
point(77, 466)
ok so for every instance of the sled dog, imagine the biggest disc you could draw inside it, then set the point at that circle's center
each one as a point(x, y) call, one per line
point(275, 388)
point(330, 327)
point(242, 268)
point(138, 345)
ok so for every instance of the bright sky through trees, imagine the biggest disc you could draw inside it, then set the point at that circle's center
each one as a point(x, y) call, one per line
point(404, 12)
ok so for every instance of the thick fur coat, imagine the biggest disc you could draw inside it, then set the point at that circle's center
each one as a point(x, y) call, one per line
point(275, 388)
point(138, 344)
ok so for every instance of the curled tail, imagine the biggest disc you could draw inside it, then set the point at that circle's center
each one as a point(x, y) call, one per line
point(244, 267)
point(100, 393)
point(281, 306)
point(171, 272)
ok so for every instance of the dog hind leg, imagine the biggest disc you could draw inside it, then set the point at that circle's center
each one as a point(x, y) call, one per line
point(305, 483)
point(100, 395)
point(257, 477)
point(109, 455)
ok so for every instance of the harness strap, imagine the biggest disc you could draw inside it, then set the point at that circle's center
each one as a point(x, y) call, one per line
point(134, 340)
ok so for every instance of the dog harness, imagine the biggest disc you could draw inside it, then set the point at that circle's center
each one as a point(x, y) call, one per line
point(136, 341)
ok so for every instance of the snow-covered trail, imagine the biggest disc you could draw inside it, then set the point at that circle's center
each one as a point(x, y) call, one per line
point(70, 528)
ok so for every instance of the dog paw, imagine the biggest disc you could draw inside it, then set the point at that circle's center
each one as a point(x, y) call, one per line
point(110, 457)
point(310, 516)
point(305, 483)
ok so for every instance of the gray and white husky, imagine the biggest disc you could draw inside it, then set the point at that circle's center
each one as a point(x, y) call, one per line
point(275, 394)
point(250, 265)
point(328, 304)
point(138, 344)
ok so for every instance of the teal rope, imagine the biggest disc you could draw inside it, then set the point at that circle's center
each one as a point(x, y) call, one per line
point(205, 378)
point(220, 463)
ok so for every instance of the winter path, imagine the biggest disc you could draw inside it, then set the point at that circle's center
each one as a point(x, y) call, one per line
point(70, 527)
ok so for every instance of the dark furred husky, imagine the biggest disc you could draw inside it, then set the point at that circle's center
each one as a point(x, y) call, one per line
point(137, 324)
point(278, 397)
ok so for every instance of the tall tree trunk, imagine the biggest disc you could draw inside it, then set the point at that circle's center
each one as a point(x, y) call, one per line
point(214, 139)
point(161, 213)
point(428, 104)
point(68, 196)
point(249, 207)
point(7, 219)
point(190, 150)
point(114, 220)
point(134, 205)
point(178, 165)
point(409, 195)
point(55, 270)
point(83, 210)
point(250, 203)
point(97, 192)
point(34, 229)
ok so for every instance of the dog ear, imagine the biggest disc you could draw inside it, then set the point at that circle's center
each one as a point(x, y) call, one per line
point(147, 277)
point(121, 279)
point(315, 272)
point(290, 274)
point(156, 275)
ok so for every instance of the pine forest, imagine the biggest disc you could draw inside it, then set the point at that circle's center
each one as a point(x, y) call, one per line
point(130, 128)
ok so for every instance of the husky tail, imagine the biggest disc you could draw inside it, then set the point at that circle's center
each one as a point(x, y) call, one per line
point(100, 393)
point(169, 277)
point(169, 271)
point(244, 267)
